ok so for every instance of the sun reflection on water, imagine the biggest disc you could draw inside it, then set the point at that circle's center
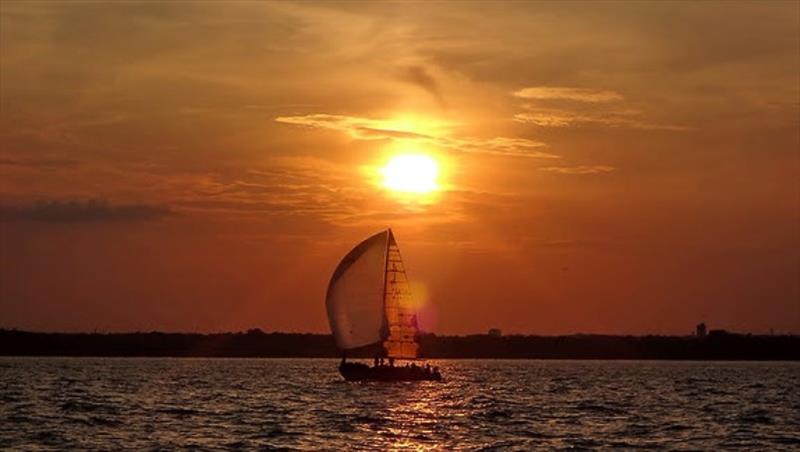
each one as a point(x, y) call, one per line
point(415, 409)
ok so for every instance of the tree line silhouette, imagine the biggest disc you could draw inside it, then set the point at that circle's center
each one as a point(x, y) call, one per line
point(718, 345)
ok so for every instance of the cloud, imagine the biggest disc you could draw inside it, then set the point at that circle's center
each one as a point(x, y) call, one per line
point(38, 163)
point(82, 211)
point(419, 76)
point(570, 243)
point(582, 169)
point(356, 127)
point(284, 186)
point(565, 117)
point(324, 121)
point(562, 93)
point(546, 119)
point(504, 146)
point(561, 118)
point(592, 110)
point(383, 129)
point(381, 134)
point(305, 188)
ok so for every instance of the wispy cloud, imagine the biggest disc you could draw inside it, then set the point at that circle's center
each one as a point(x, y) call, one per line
point(82, 211)
point(419, 76)
point(44, 163)
point(570, 107)
point(616, 118)
point(504, 146)
point(310, 188)
point(581, 169)
point(332, 122)
point(384, 129)
point(356, 127)
point(564, 93)
point(299, 187)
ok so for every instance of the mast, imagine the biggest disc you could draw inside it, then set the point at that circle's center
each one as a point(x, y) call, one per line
point(401, 316)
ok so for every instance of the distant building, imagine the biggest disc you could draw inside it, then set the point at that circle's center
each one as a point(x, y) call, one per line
point(700, 331)
point(495, 332)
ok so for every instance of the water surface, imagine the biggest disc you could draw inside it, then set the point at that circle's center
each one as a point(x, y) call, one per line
point(108, 403)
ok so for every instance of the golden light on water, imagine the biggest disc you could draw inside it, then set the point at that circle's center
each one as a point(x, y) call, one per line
point(411, 173)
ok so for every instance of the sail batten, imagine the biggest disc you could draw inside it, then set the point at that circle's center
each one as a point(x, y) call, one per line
point(369, 299)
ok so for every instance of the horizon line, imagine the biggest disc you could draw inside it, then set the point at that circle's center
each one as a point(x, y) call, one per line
point(715, 331)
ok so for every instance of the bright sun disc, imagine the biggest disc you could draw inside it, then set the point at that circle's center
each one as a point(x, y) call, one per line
point(411, 174)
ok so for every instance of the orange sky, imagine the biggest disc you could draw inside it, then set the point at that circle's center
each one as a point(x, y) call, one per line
point(605, 167)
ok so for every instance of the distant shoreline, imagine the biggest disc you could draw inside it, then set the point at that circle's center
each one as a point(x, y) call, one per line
point(717, 346)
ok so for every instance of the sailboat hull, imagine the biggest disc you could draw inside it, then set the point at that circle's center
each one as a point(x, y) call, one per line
point(362, 372)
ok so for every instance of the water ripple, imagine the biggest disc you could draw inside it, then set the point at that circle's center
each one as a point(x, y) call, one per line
point(94, 404)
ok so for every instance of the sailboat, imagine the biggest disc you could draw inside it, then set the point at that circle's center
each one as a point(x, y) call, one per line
point(369, 303)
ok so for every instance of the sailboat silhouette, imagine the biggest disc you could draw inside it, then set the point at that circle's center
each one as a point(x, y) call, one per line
point(369, 301)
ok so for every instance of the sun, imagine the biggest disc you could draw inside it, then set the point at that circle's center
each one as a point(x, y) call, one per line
point(411, 173)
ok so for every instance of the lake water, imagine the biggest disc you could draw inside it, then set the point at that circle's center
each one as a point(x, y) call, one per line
point(104, 403)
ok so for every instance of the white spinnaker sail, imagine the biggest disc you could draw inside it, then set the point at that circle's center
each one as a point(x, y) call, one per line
point(355, 295)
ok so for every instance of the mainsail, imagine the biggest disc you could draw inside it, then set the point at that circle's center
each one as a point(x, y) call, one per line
point(400, 313)
point(369, 299)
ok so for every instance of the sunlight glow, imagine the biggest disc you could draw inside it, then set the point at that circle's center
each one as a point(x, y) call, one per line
point(411, 173)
